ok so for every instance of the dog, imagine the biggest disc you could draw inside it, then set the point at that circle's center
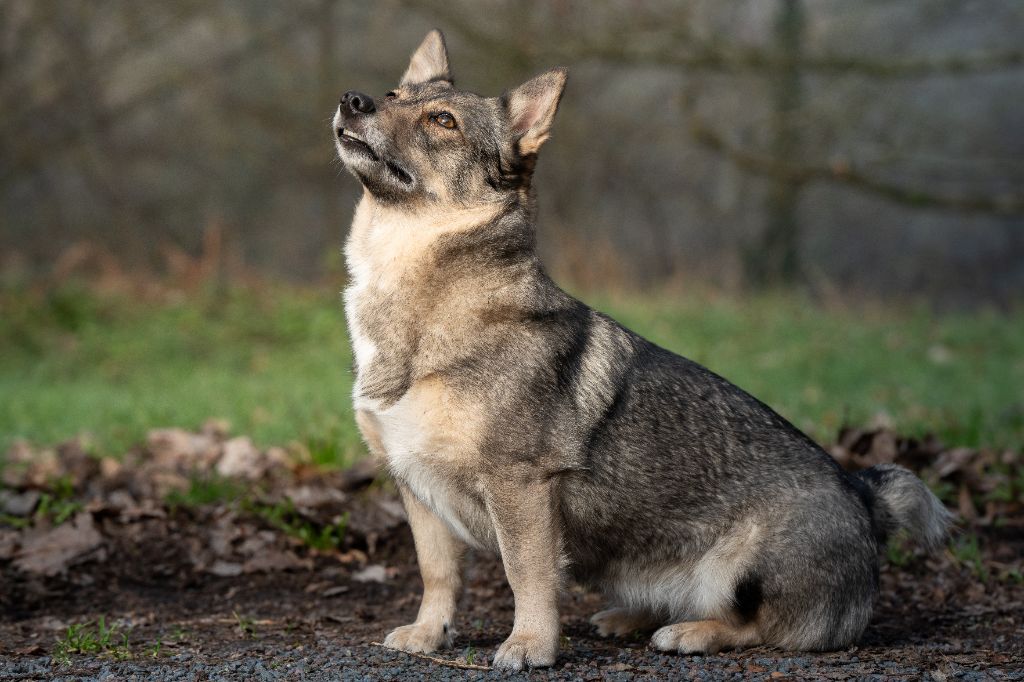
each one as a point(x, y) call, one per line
point(515, 419)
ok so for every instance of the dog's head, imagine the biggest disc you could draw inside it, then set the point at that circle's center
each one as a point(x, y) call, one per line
point(427, 141)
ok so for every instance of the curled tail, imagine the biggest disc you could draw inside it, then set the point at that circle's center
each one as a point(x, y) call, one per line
point(901, 501)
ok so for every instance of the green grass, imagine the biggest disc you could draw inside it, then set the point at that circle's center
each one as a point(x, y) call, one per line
point(274, 361)
point(966, 549)
point(203, 490)
point(286, 519)
point(96, 639)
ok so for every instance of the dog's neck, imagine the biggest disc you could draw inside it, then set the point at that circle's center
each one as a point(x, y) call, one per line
point(388, 243)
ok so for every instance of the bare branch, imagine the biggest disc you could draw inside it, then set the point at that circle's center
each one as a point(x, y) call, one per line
point(687, 52)
point(759, 164)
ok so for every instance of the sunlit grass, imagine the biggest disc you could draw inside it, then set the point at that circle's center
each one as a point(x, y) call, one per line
point(275, 363)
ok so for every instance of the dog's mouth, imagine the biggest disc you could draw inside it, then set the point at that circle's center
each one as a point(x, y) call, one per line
point(354, 141)
point(351, 139)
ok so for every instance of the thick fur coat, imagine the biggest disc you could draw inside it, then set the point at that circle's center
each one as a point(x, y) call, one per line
point(515, 419)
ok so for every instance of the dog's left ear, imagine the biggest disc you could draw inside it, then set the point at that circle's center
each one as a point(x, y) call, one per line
point(532, 107)
point(429, 62)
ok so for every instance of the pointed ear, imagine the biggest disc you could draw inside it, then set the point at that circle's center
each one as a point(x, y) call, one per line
point(532, 107)
point(429, 61)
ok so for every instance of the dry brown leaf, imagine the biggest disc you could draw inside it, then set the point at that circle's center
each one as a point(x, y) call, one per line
point(179, 449)
point(241, 459)
point(312, 497)
point(53, 551)
point(18, 504)
point(276, 560)
point(952, 461)
point(9, 541)
point(225, 569)
point(374, 573)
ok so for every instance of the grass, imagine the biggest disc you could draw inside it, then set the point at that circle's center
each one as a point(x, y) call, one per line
point(246, 626)
point(274, 361)
point(966, 549)
point(55, 506)
point(203, 490)
point(96, 639)
point(284, 517)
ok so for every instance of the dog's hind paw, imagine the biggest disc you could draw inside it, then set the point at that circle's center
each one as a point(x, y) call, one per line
point(620, 622)
point(520, 651)
point(703, 637)
point(418, 638)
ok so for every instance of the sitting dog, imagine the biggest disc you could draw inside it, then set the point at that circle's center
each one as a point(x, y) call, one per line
point(517, 420)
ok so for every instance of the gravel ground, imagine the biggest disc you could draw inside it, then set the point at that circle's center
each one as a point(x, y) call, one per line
point(221, 590)
point(294, 632)
point(366, 663)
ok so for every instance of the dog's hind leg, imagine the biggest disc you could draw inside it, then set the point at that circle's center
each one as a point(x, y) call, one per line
point(619, 622)
point(705, 637)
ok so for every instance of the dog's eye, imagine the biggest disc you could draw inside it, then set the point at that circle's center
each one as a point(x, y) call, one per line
point(445, 120)
point(391, 95)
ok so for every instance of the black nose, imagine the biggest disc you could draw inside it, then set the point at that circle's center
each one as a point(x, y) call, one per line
point(357, 103)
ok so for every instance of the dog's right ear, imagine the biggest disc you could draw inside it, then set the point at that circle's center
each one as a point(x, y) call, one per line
point(429, 62)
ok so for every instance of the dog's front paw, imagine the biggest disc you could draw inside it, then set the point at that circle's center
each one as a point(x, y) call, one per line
point(419, 638)
point(525, 650)
point(622, 622)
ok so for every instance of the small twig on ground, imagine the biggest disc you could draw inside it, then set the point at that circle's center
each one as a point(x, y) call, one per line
point(439, 661)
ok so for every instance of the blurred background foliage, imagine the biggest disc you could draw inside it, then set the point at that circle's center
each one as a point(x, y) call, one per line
point(787, 190)
point(873, 147)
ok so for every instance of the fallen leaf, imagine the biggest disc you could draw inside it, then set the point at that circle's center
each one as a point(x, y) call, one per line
point(952, 460)
point(335, 591)
point(179, 449)
point(24, 466)
point(9, 540)
point(18, 504)
point(374, 573)
point(312, 497)
point(353, 556)
point(218, 429)
point(53, 551)
point(225, 569)
point(110, 467)
point(223, 534)
point(276, 560)
point(241, 459)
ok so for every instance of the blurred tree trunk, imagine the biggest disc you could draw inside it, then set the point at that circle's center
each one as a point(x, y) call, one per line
point(775, 257)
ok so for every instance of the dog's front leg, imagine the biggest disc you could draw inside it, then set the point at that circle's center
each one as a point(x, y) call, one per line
point(439, 554)
point(524, 516)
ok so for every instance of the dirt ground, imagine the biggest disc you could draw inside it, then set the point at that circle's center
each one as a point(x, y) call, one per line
point(231, 589)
